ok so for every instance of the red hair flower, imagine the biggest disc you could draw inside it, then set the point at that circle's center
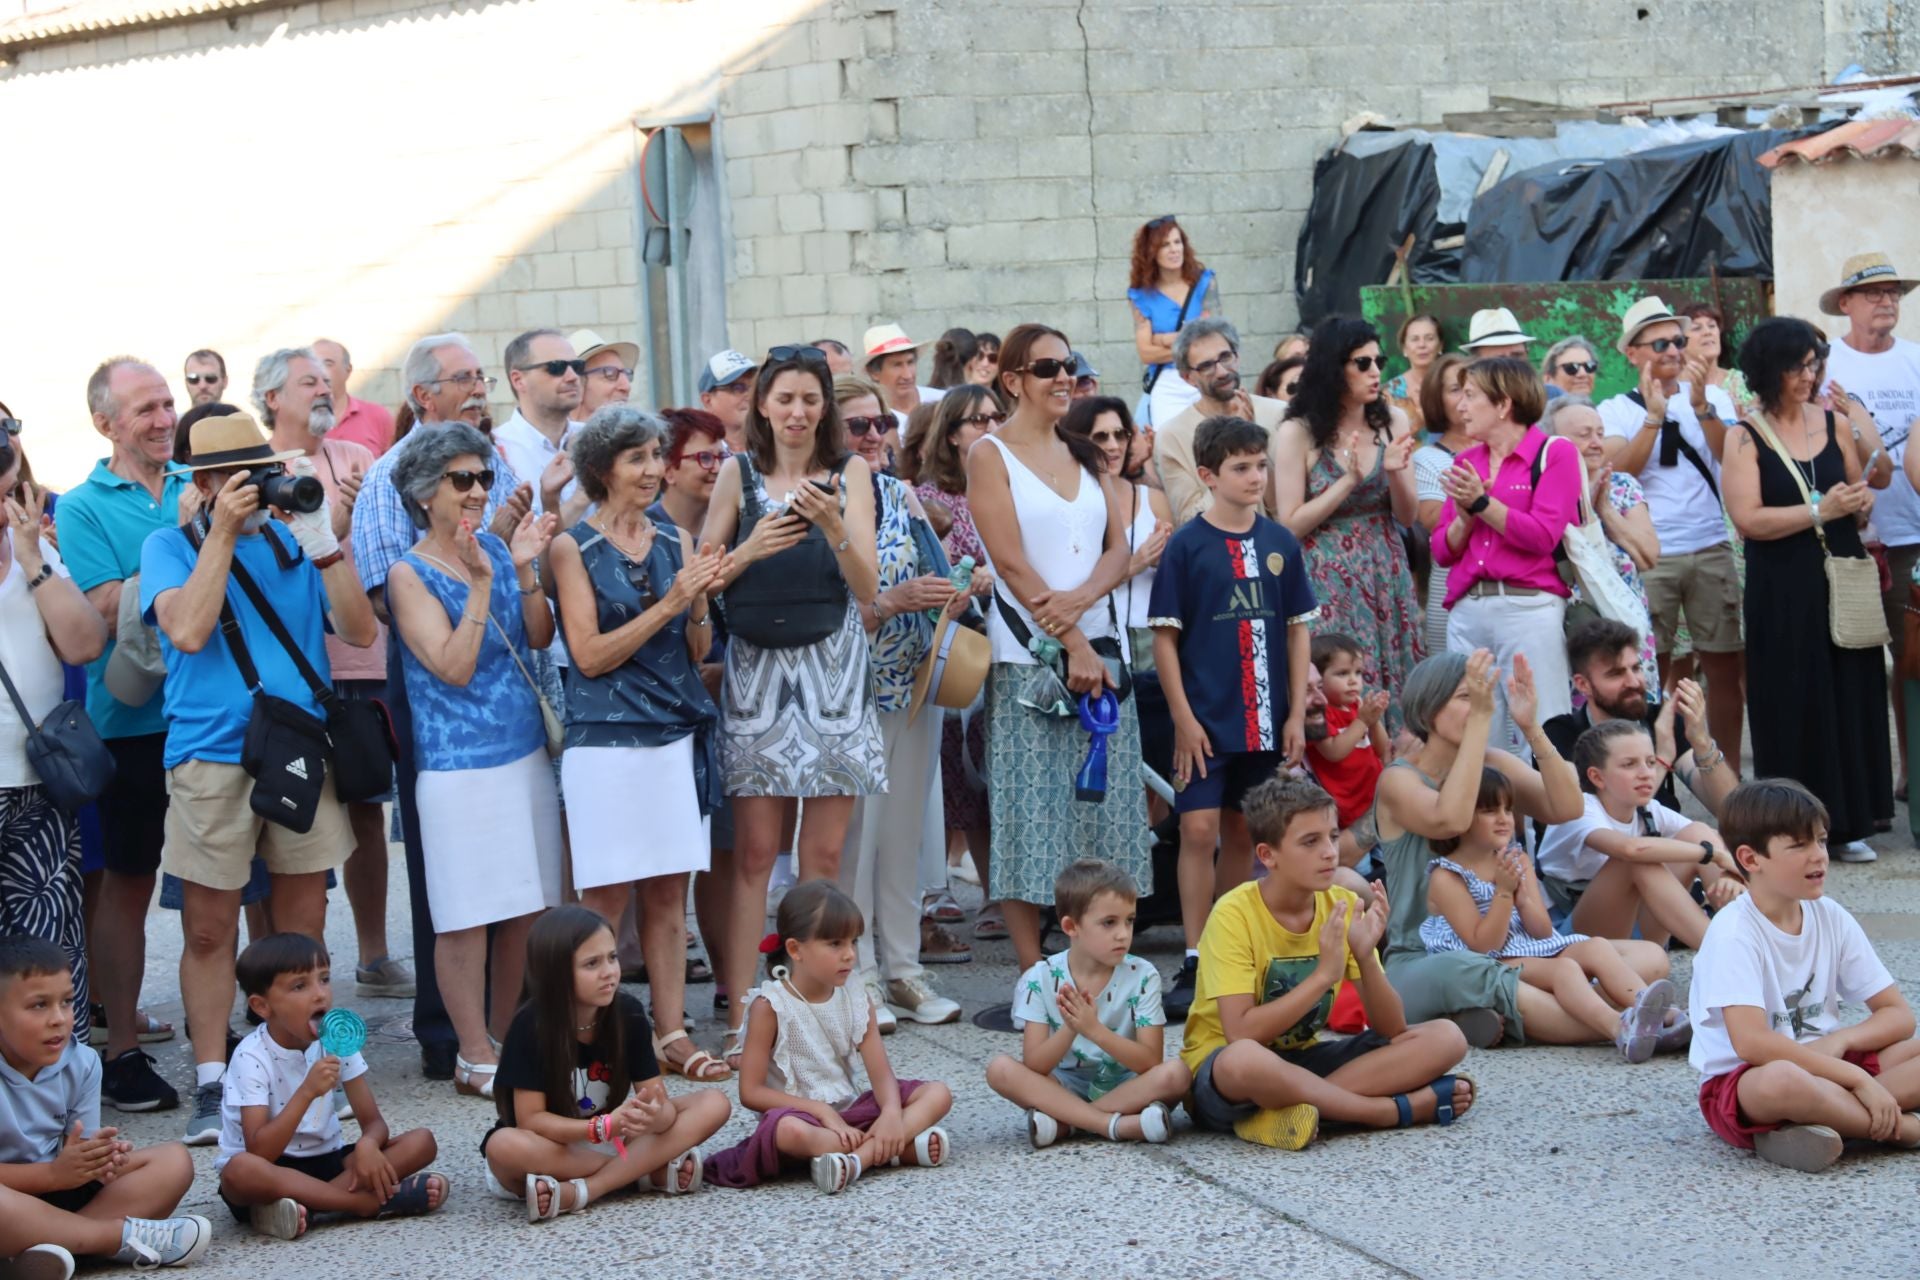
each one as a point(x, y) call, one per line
point(769, 944)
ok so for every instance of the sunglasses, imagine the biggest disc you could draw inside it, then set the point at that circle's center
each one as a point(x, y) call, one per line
point(195, 379)
point(1227, 357)
point(11, 426)
point(805, 355)
point(641, 580)
point(859, 427)
point(1367, 364)
point(1048, 369)
point(1160, 222)
point(610, 372)
point(1663, 345)
point(1114, 436)
point(1574, 368)
point(555, 368)
point(985, 421)
point(463, 480)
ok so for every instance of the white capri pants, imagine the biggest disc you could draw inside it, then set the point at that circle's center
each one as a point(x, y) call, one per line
point(880, 865)
point(1534, 625)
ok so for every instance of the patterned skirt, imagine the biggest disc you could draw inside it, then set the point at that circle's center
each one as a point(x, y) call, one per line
point(1039, 828)
point(801, 722)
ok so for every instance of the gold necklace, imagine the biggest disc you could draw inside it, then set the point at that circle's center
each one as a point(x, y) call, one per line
point(646, 537)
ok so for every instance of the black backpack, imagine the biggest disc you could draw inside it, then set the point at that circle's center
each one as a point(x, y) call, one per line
point(795, 598)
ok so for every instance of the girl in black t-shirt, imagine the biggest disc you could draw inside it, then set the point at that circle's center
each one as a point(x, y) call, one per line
point(582, 1108)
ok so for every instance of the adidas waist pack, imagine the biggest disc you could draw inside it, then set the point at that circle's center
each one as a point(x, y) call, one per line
point(285, 752)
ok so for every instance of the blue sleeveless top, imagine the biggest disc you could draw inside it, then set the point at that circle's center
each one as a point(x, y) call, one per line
point(655, 696)
point(494, 719)
point(1163, 313)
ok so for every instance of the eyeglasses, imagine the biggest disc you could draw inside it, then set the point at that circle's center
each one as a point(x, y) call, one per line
point(554, 368)
point(1367, 364)
point(1225, 358)
point(1885, 293)
point(709, 459)
point(195, 379)
point(1048, 369)
point(466, 379)
point(1663, 345)
point(463, 480)
point(1574, 368)
point(610, 372)
point(984, 421)
point(805, 355)
point(11, 426)
point(859, 427)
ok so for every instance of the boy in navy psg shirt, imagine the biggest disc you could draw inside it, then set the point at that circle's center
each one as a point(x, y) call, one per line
point(1229, 612)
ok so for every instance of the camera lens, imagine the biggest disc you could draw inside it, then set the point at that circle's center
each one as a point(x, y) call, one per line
point(292, 493)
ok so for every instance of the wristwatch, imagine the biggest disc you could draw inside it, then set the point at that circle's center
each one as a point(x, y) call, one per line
point(37, 580)
point(1479, 504)
point(1706, 852)
point(842, 545)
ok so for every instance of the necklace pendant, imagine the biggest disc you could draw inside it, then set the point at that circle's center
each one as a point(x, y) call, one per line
point(1814, 497)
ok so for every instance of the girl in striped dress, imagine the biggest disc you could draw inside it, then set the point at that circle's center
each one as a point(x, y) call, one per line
point(1483, 896)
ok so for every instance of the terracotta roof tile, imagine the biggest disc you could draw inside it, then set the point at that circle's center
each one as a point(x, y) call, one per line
point(1856, 139)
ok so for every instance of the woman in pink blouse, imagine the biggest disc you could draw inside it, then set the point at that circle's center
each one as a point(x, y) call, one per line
point(1498, 531)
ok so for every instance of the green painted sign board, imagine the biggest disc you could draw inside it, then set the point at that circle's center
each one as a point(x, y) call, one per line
point(1550, 312)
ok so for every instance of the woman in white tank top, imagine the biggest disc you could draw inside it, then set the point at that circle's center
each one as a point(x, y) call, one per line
point(1105, 421)
point(1055, 534)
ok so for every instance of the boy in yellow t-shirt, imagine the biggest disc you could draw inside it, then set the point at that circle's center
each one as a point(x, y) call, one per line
point(1272, 954)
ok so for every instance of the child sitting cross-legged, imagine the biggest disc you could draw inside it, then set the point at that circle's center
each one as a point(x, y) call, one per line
point(582, 1108)
point(807, 1033)
point(1483, 897)
point(1273, 951)
point(1091, 1058)
point(67, 1186)
point(282, 1155)
point(1628, 859)
point(1779, 1075)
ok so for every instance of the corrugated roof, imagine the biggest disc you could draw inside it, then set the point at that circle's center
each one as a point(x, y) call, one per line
point(1856, 139)
point(85, 18)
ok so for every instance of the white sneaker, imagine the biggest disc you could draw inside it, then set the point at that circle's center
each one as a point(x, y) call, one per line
point(1857, 851)
point(914, 1000)
point(41, 1262)
point(882, 1015)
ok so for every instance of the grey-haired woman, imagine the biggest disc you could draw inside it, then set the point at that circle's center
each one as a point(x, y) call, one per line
point(640, 724)
point(470, 611)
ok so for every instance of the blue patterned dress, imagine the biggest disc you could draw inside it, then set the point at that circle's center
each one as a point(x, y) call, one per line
point(1438, 935)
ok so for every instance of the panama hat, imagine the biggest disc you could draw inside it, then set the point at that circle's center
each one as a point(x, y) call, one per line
point(1860, 269)
point(954, 669)
point(1643, 314)
point(230, 442)
point(587, 344)
point(1494, 327)
point(885, 340)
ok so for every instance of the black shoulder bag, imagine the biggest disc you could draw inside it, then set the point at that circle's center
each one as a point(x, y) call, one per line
point(1674, 446)
point(65, 750)
point(789, 600)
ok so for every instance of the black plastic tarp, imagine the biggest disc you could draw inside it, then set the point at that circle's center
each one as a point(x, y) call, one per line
point(1364, 207)
point(1668, 213)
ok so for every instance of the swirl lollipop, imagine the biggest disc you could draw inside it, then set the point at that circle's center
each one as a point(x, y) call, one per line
point(342, 1032)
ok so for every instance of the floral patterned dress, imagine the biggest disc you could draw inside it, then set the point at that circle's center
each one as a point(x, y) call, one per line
point(963, 738)
point(1358, 566)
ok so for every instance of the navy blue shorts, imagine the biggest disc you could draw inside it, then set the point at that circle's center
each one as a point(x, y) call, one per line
point(1229, 778)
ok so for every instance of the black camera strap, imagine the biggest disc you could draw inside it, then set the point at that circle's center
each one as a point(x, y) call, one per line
point(230, 625)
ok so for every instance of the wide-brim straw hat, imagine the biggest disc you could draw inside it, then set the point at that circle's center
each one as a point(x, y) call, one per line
point(1863, 269)
point(885, 340)
point(954, 669)
point(232, 442)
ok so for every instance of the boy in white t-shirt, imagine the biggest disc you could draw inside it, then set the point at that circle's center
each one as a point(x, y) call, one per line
point(1092, 1057)
point(1778, 1073)
point(281, 1150)
point(1628, 858)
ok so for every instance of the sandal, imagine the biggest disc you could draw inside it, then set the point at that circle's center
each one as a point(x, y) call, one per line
point(674, 1168)
point(923, 1148)
point(464, 1073)
point(698, 970)
point(835, 1171)
point(991, 926)
point(1443, 1109)
point(940, 907)
point(414, 1196)
point(941, 945)
point(699, 1066)
point(733, 1046)
point(537, 1181)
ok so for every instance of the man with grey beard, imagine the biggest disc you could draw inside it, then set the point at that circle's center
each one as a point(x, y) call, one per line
point(294, 394)
point(1207, 354)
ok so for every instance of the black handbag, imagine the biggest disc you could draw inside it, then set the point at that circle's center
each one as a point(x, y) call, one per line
point(358, 735)
point(66, 751)
point(789, 600)
point(1108, 649)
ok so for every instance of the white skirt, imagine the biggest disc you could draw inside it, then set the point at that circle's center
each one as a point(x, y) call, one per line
point(490, 840)
point(633, 813)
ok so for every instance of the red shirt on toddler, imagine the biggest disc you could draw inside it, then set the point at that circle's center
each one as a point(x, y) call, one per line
point(1350, 781)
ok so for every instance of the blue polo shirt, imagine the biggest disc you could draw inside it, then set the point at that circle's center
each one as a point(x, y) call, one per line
point(207, 701)
point(103, 523)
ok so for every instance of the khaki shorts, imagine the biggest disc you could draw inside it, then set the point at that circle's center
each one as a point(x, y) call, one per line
point(213, 832)
point(1703, 586)
point(1894, 603)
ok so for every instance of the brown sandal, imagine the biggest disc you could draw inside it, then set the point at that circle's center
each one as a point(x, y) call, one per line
point(699, 1066)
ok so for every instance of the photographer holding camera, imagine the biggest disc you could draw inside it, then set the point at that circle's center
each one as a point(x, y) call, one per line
point(193, 587)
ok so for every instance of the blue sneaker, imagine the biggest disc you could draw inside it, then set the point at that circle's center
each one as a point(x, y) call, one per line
point(203, 1130)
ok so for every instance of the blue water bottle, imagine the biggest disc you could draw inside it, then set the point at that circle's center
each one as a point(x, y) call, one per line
point(961, 577)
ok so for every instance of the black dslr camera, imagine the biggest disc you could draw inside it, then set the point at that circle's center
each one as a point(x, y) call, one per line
point(279, 488)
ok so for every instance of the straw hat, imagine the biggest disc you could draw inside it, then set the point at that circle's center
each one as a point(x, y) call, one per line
point(885, 339)
point(1494, 327)
point(1864, 268)
point(230, 442)
point(1644, 314)
point(954, 669)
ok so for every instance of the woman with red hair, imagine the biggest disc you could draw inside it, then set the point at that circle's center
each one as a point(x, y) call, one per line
point(1168, 286)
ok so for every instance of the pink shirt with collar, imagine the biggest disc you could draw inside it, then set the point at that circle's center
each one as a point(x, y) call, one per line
point(365, 423)
point(1523, 555)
